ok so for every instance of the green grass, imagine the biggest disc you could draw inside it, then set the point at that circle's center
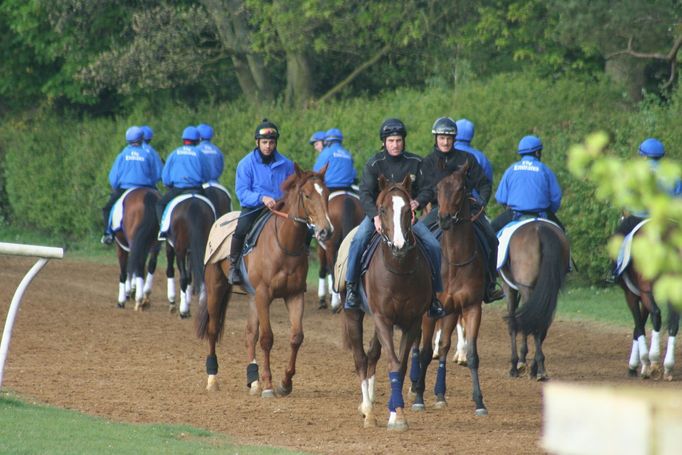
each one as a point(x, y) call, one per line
point(31, 428)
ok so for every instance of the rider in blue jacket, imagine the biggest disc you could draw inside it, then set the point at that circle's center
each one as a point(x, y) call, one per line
point(133, 167)
point(260, 175)
point(185, 171)
point(528, 187)
point(465, 133)
point(212, 152)
point(340, 173)
point(317, 140)
point(146, 144)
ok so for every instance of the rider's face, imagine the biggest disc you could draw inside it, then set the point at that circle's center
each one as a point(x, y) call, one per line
point(318, 145)
point(267, 146)
point(444, 142)
point(394, 145)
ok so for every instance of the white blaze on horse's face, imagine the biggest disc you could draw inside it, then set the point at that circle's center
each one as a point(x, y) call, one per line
point(398, 237)
point(319, 189)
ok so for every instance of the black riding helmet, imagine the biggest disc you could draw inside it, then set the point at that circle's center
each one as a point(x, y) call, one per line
point(444, 126)
point(392, 127)
point(267, 130)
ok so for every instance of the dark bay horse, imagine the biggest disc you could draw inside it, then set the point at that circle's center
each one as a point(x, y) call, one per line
point(134, 242)
point(191, 221)
point(277, 268)
point(640, 299)
point(537, 264)
point(345, 212)
point(399, 289)
point(222, 202)
point(463, 272)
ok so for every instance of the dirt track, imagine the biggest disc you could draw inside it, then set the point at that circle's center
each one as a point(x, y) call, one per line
point(72, 348)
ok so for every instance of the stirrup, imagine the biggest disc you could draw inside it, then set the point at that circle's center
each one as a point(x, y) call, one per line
point(436, 310)
point(107, 239)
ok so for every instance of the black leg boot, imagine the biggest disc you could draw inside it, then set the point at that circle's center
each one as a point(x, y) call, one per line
point(235, 254)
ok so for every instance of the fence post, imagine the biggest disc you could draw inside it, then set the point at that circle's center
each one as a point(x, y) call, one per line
point(44, 253)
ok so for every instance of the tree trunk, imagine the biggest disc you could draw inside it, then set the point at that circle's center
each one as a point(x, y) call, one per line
point(628, 71)
point(299, 80)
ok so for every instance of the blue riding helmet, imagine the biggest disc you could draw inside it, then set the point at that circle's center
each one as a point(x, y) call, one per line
point(529, 144)
point(333, 134)
point(651, 148)
point(465, 130)
point(205, 131)
point(148, 132)
point(190, 134)
point(134, 134)
point(317, 136)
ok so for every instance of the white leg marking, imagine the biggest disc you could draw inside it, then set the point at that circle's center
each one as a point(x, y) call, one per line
point(321, 291)
point(366, 402)
point(634, 355)
point(330, 284)
point(371, 382)
point(170, 286)
point(128, 286)
point(436, 343)
point(398, 238)
point(336, 300)
point(392, 418)
point(139, 289)
point(655, 350)
point(148, 284)
point(185, 298)
point(121, 293)
point(669, 361)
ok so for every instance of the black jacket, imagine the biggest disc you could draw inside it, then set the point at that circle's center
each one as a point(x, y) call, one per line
point(439, 165)
point(394, 169)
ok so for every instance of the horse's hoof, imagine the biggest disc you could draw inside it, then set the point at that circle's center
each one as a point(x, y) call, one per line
point(542, 377)
point(146, 302)
point(440, 404)
point(645, 373)
point(397, 426)
point(370, 421)
point(267, 393)
point(171, 308)
point(138, 307)
point(418, 407)
point(656, 372)
point(283, 391)
point(120, 305)
point(481, 412)
point(254, 389)
point(632, 372)
point(322, 305)
point(521, 367)
point(185, 315)
point(212, 383)
point(668, 374)
point(513, 373)
point(411, 393)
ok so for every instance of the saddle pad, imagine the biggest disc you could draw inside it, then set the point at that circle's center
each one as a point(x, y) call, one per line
point(505, 235)
point(341, 263)
point(220, 237)
point(116, 215)
point(166, 217)
point(341, 193)
point(219, 187)
point(624, 253)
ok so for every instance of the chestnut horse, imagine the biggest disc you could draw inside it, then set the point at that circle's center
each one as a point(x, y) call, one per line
point(345, 212)
point(463, 272)
point(134, 242)
point(535, 270)
point(399, 289)
point(640, 299)
point(277, 268)
point(190, 223)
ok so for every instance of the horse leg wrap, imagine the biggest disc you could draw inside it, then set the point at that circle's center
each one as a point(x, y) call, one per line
point(211, 364)
point(396, 400)
point(251, 373)
point(439, 388)
point(415, 368)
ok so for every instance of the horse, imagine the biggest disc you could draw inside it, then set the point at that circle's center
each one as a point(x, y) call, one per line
point(534, 273)
point(222, 201)
point(190, 224)
point(345, 212)
point(276, 268)
point(399, 289)
point(463, 272)
point(134, 242)
point(639, 297)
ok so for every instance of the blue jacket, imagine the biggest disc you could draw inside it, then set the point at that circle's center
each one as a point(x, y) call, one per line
point(133, 167)
point(675, 190)
point(529, 186)
point(479, 155)
point(158, 164)
point(216, 161)
point(340, 173)
point(256, 179)
point(186, 167)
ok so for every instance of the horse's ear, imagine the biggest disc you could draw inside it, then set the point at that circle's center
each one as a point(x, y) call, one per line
point(407, 182)
point(324, 169)
point(464, 167)
point(382, 182)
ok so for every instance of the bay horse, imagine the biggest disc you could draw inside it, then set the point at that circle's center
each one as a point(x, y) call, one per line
point(190, 224)
point(222, 201)
point(134, 242)
point(345, 212)
point(399, 289)
point(535, 270)
point(463, 272)
point(277, 268)
point(640, 300)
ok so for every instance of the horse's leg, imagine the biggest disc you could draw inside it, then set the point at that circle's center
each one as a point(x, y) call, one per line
point(295, 305)
point(639, 353)
point(252, 328)
point(655, 349)
point(523, 354)
point(322, 277)
point(425, 356)
point(673, 327)
point(384, 332)
point(373, 355)
point(537, 369)
point(460, 356)
point(512, 303)
point(436, 341)
point(447, 327)
point(185, 289)
point(354, 332)
point(397, 420)
point(170, 277)
point(217, 295)
point(151, 268)
point(266, 338)
point(472, 318)
point(122, 277)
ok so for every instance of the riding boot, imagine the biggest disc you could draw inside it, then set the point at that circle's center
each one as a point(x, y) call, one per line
point(352, 297)
point(107, 238)
point(436, 310)
point(235, 254)
point(492, 291)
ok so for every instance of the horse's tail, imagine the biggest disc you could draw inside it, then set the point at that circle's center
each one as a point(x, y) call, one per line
point(144, 235)
point(348, 219)
point(197, 242)
point(536, 315)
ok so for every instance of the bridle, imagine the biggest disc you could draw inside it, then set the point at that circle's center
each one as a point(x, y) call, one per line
point(410, 241)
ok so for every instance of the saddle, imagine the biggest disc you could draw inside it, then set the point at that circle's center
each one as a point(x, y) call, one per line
point(625, 257)
point(168, 211)
point(338, 193)
point(116, 214)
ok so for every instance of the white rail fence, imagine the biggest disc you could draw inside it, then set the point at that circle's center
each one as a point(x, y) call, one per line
point(44, 253)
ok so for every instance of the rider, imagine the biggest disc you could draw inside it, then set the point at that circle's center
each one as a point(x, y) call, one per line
point(185, 171)
point(212, 152)
point(133, 167)
point(340, 173)
point(445, 159)
point(528, 187)
point(394, 163)
point(260, 175)
point(465, 133)
point(146, 144)
point(317, 140)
